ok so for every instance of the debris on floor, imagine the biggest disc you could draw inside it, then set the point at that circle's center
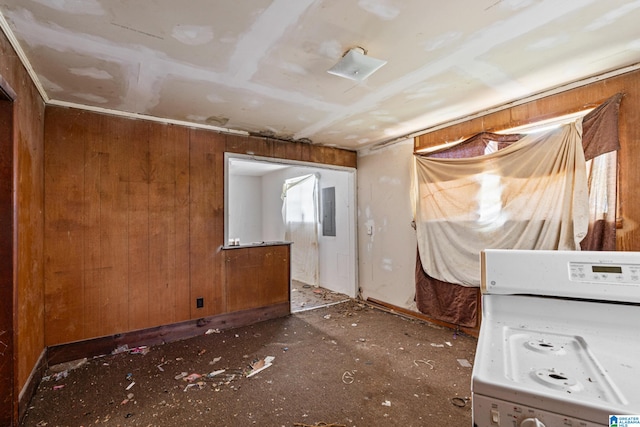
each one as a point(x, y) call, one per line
point(142, 350)
point(348, 377)
point(319, 424)
point(429, 363)
point(464, 363)
point(68, 366)
point(260, 365)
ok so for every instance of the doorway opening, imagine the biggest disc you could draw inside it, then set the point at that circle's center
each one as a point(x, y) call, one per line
point(271, 200)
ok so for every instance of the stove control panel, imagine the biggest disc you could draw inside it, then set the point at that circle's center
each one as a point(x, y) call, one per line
point(604, 273)
point(606, 276)
point(491, 412)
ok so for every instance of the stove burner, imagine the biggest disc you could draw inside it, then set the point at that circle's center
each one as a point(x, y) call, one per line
point(543, 346)
point(557, 380)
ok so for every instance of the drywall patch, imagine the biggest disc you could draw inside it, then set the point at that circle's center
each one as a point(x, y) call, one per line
point(441, 41)
point(76, 7)
point(548, 42)
point(215, 99)
point(331, 49)
point(389, 180)
point(269, 26)
point(92, 72)
point(381, 8)
point(193, 35)
point(612, 16)
point(293, 68)
point(511, 4)
point(49, 85)
point(493, 77)
point(217, 120)
point(634, 45)
point(424, 91)
point(91, 98)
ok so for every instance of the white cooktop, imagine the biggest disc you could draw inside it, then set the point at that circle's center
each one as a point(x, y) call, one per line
point(576, 358)
point(579, 358)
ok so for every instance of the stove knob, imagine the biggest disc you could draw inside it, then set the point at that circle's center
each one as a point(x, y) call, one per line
point(531, 422)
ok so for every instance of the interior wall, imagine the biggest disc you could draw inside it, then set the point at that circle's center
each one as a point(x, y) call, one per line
point(245, 208)
point(134, 220)
point(28, 127)
point(337, 261)
point(387, 255)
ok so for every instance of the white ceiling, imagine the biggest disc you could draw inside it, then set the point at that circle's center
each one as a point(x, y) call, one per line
point(250, 167)
point(260, 65)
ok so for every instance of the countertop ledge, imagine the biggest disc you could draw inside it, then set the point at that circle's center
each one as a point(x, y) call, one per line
point(256, 245)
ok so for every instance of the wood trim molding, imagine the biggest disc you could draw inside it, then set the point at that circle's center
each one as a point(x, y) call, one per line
point(419, 316)
point(30, 387)
point(163, 334)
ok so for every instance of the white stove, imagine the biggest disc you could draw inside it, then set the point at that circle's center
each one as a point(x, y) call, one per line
point(559, 343)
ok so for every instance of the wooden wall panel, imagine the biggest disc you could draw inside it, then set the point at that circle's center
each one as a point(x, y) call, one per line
point(181, 290)
point(112, 146)
point(169, 225)
point(134, 221)
point(138, 178)
point(299, 151)
point(27, 181)
point(90, 292)
point(628, 238)
point(252, 145)
point(207, 222)
point(64, 233)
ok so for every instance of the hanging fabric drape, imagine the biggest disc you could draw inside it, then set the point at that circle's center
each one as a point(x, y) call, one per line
point(300, 216)
point(459, 304)
point(601, 145)
point(530, 195)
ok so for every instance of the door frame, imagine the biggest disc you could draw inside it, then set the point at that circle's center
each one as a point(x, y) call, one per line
point(350, 187)
point(8, 246)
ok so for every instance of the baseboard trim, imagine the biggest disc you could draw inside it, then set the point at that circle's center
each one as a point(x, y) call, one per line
point(163, 334)
point(408, 313)
point(30, 387)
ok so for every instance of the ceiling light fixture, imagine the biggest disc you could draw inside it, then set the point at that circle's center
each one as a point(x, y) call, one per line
point(356, 65)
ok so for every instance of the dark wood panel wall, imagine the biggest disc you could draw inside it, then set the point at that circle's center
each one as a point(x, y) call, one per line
point(7, 230)
point(25, 178)
point(134, 220)
point(628, 237)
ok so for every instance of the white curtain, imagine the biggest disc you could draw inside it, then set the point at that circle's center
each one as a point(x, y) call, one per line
point(300, 216)
point(530, 195)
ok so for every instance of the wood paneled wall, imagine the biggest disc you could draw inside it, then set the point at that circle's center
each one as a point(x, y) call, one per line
point(628, 238)
point(134, 220)
point(27, 185)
